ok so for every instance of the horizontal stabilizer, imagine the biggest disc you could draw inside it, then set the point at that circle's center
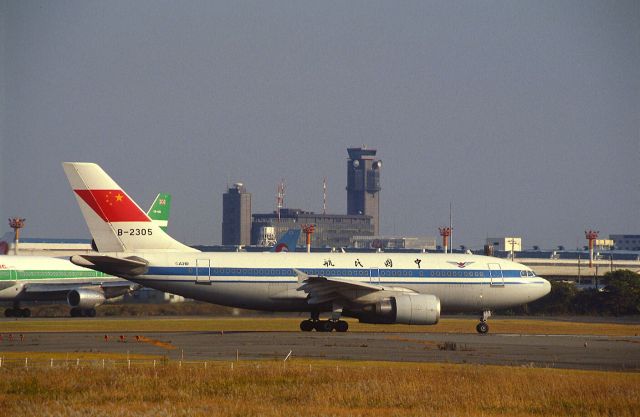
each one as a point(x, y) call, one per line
point(122, 267)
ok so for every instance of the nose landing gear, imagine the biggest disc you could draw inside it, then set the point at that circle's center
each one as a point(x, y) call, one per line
point(483, 327)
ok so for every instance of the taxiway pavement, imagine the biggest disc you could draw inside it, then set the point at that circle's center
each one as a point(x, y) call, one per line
point(554, 351)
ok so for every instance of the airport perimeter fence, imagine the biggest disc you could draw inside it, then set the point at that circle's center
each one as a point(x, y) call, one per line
point(41, 363)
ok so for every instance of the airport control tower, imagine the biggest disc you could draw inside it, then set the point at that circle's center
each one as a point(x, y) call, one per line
point(363, 184)
point(236, 216)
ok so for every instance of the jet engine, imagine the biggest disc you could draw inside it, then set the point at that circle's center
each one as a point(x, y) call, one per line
point(85, 299)
point(403, 309)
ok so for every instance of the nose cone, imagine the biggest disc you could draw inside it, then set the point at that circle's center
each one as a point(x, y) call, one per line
point(541, 288)
point(546, 288)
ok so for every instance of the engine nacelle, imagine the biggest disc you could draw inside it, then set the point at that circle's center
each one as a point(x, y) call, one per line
point(83, 298)
point(403, 309)
point(417, 309)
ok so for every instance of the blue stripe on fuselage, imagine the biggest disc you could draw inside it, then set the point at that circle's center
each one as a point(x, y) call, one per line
point(237, 281)
point(331, 272)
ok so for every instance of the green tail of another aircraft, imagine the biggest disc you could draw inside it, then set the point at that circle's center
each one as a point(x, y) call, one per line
point(160, 210)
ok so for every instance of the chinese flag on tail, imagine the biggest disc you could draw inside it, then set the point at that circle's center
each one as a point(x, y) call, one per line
point(113, 205)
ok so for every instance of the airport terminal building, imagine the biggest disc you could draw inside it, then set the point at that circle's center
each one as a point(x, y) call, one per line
point(626, 242)
point(241, 228)
point(331, 230)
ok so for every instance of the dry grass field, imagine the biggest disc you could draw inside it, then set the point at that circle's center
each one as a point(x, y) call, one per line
point(446, 325)
point(314, 388)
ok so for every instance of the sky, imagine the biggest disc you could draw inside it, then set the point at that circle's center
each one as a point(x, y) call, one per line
point(525, 115)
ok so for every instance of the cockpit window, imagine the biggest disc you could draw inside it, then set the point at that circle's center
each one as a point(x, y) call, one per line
point(523, 273)
point(531, 274)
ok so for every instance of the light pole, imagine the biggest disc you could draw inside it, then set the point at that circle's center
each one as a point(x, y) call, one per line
point(591, 236)
point(445, 232)
point(308, 230)
point(512, 241)
point(16, 224)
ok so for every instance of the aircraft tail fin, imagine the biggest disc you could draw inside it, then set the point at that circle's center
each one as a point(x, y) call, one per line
point(159, 211)
point(287, 241)
point(116, 222)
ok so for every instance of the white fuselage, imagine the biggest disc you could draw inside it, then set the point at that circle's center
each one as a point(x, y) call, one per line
point(20, 274)
point(268, 281)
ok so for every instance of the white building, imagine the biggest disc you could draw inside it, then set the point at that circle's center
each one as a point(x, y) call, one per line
point(394, 242)
point(506, 244)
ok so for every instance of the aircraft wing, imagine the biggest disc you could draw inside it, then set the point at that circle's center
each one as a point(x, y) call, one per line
point(324, 289)
point(60, 290)
point(121, 267)
point(64, 288)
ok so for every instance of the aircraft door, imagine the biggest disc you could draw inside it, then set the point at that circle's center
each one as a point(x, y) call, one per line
point(374, 275)
point(203, 271)
point(495, 272)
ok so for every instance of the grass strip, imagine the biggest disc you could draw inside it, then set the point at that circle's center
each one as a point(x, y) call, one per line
point(317, 388)
point(446, 325)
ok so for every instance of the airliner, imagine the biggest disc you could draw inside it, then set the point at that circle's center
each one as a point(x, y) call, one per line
point(40, 278)
point(383, 288)
point(287, 242)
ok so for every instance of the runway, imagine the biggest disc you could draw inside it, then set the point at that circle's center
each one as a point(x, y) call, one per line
point(552, 351)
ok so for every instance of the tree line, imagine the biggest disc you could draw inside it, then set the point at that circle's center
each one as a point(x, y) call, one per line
point(619, 295)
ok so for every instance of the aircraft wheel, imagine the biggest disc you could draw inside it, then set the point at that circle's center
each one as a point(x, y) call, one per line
point(25, 312)
point(75, 312)
point(342, 326)
point(482, 327)
point(90, 312)
point(8, 312)
point(328, 326)
point(317, 325)
point(306, 325)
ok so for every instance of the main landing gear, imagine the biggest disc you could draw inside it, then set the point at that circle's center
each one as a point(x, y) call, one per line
point(483, 327)
point(324, 325)
point(314, 323)
point(17, 312)
point(82, 312)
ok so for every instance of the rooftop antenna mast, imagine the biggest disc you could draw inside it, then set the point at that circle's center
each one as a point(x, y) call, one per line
point(451, 224)
point(280, 193)
point(324, 195)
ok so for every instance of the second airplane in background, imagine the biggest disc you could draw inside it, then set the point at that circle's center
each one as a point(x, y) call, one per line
point(45, 279)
